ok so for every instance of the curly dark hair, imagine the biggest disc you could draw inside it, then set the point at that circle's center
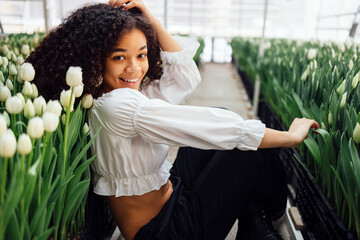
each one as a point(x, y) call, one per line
point(85, 39)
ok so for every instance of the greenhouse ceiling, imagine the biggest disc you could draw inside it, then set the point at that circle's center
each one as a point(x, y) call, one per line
point(294, 19)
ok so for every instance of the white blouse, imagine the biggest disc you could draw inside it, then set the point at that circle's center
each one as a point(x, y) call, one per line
point(137, 128)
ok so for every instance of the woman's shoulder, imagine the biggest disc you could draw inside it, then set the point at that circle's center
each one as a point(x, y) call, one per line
point(120, 96)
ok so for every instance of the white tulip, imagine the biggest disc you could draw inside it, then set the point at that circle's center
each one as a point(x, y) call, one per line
point(40, 105)
point(1, 61)
point(20, 60)
point(305, 74)
point(29, 109)
point(51, 121)
point(12, 70)
point(86, 129)
point(351, 65)
point(330, 118)
point(7, 118)
point(78, 90)
point(74, 76)
point(3, 125)
point(35, 91)
point(14, 105)
point(5, 61)
point(87, 100)
point(333, 53)
point(312, 54)
point(4, 93)
point(24, 145)
point(27, 72)
point(341, 88)
point(343, 100)
point(35, 128)
point(355, 80)
point(9, 84)
point(65, 99)
point(27, 89)
point(22, 98)
point(356, 133)
point(7, 144)
point(54, 106)
point(25, 49)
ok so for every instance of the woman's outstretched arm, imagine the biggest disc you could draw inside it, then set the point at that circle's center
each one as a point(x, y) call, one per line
point(297, 133)
point(167, 42)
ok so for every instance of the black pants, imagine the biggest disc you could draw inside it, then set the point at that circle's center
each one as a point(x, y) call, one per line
point(213, 188)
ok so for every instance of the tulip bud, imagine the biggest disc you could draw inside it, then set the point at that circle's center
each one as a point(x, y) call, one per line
point(27, 89)
point(35, 91)
point(74, 76)
point(54, 106)
point(27, 72)
point(25, 49)
point(355, 80)
point(87, 101)
point(3, 125)
point(65, 98)
point(330, 118)
point(51, 121)
point(312, 54)
point(343, 100)
point(20, 60)
point(9, 84)
point(4, 93)
point(29, 109)
point(341, 88)
point(86, 129)
point(351, 65)
point(305, 74)
point(40, 105)
point(35, 128)
point(22, 98)
point(12, 70)
point(14, 105)
point(323, 126)
point(2, 78)
point(7, 118)
point(24, 145)
point(356, 133)
point(5, 61)
point(63, 118)
point(7, 144)
point(78, 90)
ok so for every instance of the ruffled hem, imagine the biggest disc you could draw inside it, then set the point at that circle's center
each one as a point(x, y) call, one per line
point(251, 137)
point(107, 186)
point(189, 47)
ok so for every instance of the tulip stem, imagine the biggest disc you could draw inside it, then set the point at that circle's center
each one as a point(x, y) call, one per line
point(31, 154)
point(3, 182)
point(66, 131)
point(41, 165)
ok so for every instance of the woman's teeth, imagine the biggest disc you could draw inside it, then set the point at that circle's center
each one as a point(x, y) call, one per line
point(129, 80)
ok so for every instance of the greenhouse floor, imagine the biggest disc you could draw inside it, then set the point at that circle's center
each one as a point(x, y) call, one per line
point(221, 87)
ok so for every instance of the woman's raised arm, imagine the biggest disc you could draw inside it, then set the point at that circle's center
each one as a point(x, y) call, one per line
point(167, 42)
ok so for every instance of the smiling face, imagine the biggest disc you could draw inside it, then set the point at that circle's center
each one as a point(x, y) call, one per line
point(127, 65)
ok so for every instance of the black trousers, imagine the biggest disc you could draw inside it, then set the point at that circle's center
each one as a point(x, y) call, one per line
point(213, 188)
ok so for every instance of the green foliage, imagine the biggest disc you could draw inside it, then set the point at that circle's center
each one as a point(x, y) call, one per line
point(298, 83)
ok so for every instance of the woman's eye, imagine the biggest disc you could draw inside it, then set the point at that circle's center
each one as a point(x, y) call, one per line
point(142, 55)
point(117, 58)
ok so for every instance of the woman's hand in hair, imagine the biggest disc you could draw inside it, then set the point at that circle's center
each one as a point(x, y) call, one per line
point(167, 43)
point(128, 4)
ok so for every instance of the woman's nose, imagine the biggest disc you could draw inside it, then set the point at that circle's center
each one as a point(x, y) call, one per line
point(133, 66)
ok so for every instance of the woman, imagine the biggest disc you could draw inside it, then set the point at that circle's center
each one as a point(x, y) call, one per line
point(124, 51)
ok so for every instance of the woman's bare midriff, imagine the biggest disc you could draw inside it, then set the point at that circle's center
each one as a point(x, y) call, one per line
point(133, 212)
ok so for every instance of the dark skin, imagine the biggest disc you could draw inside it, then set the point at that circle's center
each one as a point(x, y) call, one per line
point(133, 212)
